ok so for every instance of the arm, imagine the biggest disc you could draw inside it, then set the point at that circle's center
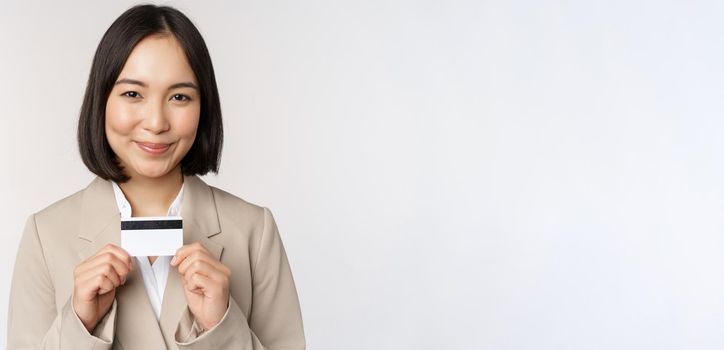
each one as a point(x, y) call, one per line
point(275, 321)
point(33, 319)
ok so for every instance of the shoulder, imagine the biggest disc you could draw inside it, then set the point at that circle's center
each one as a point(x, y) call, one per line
point(235, 210)
point(54, 230)
point(70, 216)
point(60, 213)
point(246, 228)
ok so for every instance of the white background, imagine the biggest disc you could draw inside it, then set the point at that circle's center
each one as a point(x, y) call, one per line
point(445, 174)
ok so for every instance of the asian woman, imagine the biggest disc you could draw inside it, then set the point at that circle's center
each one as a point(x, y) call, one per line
point(150, 125)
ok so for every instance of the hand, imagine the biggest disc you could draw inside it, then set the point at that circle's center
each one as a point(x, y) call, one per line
point(206, 283)
point(95, 283)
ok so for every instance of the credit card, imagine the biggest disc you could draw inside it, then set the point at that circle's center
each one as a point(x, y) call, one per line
point(152, 236)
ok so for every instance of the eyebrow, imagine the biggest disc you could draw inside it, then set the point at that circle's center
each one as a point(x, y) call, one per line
point(142, 84)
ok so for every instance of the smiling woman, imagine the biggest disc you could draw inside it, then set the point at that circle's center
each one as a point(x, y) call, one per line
point(153, 110)
point(150, 124)
point(142, 60)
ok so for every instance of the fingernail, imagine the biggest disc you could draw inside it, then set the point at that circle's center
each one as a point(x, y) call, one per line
point(173, 260)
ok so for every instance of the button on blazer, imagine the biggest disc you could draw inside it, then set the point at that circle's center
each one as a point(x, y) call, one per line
point(263, 311)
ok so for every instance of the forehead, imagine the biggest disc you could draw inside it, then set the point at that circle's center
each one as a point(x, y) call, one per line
point(158, 60)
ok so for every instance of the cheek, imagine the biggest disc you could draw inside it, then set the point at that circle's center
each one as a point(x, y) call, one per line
point(187, 122)
point(119, 118)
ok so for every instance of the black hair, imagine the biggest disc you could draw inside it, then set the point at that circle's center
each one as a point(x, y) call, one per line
point(113, 50)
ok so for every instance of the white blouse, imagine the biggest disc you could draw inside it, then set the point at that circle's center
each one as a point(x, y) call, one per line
point(156, 275)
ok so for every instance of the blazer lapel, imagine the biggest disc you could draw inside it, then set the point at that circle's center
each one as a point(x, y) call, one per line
point(200, 221)
point(136, 325)
point(100, 218)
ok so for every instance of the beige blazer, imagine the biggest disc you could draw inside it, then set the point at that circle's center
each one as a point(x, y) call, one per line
point(264, 309)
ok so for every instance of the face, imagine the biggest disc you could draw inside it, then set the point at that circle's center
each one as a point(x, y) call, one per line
point(152, 113)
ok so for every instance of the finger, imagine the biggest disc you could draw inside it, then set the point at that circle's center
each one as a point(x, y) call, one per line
point(185, 251)
point(192, 290)
point(106, 271)
point(119, 252)
point(204, 268)
point(106, 258)
point(193, 257)
point(205, 256)
point(93, 286)
point(105, 287)
point(110, 250)
point(199, 284)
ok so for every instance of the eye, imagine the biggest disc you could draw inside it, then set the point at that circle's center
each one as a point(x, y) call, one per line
point(181, 97)
point(131, 94)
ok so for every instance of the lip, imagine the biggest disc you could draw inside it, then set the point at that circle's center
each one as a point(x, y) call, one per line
point(153, 148)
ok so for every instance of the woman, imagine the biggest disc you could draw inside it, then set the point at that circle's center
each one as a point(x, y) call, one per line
point(149, 124)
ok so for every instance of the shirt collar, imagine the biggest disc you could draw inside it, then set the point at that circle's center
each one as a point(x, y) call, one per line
point(124, 207)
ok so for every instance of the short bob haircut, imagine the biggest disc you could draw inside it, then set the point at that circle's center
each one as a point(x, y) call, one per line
point(113, 50)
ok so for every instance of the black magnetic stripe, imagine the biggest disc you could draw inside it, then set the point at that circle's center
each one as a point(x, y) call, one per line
point(151, 224)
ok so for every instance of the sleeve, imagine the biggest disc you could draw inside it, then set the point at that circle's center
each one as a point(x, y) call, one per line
point(275, 320)
point(33, 318)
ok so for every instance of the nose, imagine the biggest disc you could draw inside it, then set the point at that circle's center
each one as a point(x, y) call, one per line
point(155, 120)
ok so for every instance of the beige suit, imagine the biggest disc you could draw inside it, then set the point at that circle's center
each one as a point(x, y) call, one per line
point(264, 309)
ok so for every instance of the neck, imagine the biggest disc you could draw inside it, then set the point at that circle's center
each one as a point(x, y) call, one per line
point(152, 196)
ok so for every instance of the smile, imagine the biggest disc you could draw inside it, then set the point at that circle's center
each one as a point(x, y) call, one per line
point(153, 148)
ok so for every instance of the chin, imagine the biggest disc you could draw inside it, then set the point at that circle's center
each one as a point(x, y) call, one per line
point(152, 172)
